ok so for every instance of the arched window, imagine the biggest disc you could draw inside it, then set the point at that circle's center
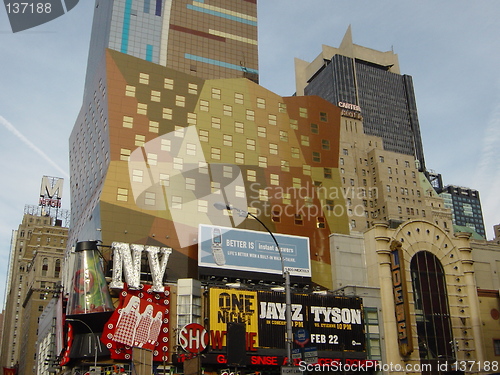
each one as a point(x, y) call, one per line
point(431, 307)
point(57, 269)
point(45, 266)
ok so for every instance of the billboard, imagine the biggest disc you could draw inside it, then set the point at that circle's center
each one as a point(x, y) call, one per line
point(254, 251)
point(327, 322)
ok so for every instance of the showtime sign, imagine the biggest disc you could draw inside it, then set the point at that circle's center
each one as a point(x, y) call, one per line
point(193, 338)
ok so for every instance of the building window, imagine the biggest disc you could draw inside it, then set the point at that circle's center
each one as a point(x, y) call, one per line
point(281, 107)
point(227, 140)
point(285, 166)
point(167, 113)
point(261, 103)
point(215, 93)
point(239, 127)
point(57, 268)
point(250, 115)
point(238, 98)
point(304, 140)
point(327, 172)
point(273, 148)
point(325, 144)
point(295, 152)
point(168, 84)
point(215, 153)
point(298, 219)
point(303, 112)
point(139, 140)
point(272, 120)
point(227, 110)
point(45, 266)
point(122, 194)
point(154, 126)
point(262, 161)
point(316, 157)
point(180, 101)
point(203, 134)
point(323, 116)
point(239, 157)
point(165, 144)
point(294, 124)
point(149, 198)
point(204, 106)
point(431, 306)
point(192, 88)
point(137, 175)
point(306, 170)
point(128, 122)
point(155, 96)
point(283, 136)
point(215, 122)
point(496, 346)
point(130, 91)
point(142, 109)
point(191, 118)
point(177, 202)
point(144, 78)
point(251, 144)
point(314, 128)
point(275, 179)
point(345, 151)
point(251, 175)
point(261, 131)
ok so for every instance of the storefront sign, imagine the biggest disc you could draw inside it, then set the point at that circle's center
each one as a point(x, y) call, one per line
point(401, 301)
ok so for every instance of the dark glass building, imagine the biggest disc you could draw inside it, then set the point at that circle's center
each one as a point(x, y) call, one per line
point(465, 207)
point(370, 80)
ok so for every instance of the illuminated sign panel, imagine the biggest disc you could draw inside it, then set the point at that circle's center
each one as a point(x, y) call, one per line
point(254, 251)
point(401, 299)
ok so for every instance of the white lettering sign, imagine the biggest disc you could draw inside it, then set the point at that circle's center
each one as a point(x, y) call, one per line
point(127, 261)
point(51, 189)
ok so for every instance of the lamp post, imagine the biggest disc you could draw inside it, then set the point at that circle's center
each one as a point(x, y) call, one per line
point(93, 335)
point(285, 273)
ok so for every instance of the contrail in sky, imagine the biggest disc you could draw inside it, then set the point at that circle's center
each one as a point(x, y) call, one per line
point(30, 144)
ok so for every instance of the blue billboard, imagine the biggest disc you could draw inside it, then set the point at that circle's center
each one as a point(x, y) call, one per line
point(254, 251)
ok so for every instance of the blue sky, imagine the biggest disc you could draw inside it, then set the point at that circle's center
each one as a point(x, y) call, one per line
point(450, 48)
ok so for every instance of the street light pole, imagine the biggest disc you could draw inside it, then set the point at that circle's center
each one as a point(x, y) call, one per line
point(285, 273)
point(93, 335)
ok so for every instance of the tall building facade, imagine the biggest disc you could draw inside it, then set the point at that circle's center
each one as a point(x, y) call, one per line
point(35, 271)
point(465, 206)
point(371, 80)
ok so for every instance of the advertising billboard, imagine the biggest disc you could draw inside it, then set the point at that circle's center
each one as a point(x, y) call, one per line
point(326, 322)
point(254, 251)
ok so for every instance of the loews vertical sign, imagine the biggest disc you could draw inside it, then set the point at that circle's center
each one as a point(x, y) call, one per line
point(401, 299)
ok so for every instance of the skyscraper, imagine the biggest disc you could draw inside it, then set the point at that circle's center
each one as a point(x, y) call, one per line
point(465, 207)
point(370, 80)
point(35, 270)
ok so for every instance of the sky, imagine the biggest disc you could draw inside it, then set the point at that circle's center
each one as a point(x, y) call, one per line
point(451, 49)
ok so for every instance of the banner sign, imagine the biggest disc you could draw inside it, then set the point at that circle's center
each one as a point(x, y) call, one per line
point(140, 320)
point(254, 251)
point(333, 323)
